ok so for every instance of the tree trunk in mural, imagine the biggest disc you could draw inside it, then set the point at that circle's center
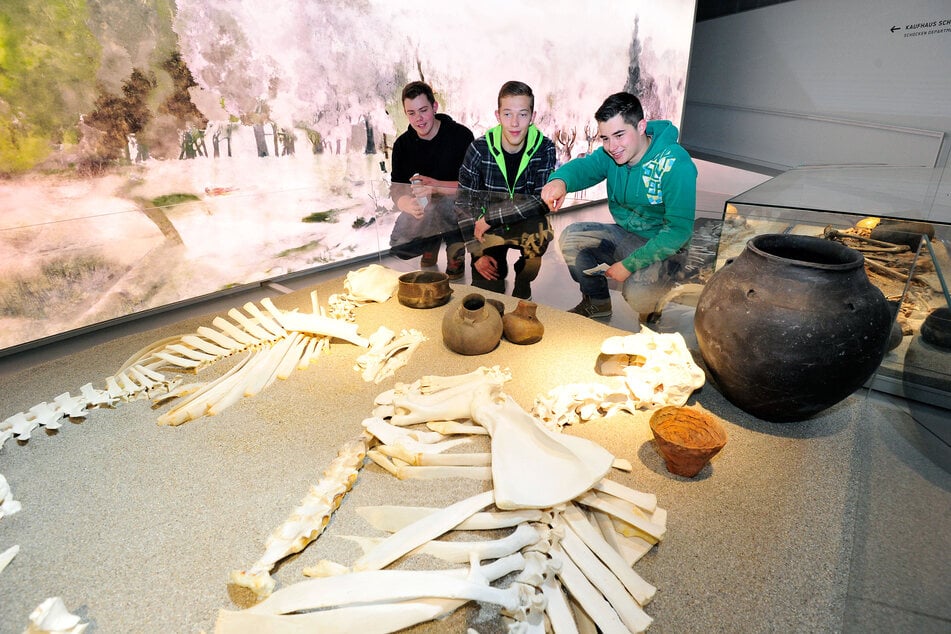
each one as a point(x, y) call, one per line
point(260, 139)
point(371, 146)
point(289, 139)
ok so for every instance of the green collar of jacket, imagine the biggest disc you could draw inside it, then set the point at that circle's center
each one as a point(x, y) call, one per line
point(533, 141)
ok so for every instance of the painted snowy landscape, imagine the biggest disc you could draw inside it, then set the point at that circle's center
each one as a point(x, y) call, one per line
point(205, 144)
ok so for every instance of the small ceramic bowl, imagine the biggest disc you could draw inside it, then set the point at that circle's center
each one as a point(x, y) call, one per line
point(423, 289)
point(686, 438)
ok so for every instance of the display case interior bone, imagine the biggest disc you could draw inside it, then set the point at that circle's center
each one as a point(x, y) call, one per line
point(859, 206)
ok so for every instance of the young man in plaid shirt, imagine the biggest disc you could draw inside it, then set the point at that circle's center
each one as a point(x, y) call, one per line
point(499, 205)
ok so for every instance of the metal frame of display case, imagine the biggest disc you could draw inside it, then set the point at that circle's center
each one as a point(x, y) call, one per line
point(817, 200)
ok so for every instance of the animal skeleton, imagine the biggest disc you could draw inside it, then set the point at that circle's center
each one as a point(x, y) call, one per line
point(555, 545)
point(277, 342)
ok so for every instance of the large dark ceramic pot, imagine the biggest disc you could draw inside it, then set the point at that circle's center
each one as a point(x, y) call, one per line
point(791, 326)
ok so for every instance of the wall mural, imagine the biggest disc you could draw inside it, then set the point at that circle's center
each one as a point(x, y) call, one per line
point(159, 151)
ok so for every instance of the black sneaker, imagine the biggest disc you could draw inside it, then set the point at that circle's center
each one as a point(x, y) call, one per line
point(590, 308)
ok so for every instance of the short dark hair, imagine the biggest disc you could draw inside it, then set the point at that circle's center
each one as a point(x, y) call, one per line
point(517, 89)
point(414, 89)
point(621, 103)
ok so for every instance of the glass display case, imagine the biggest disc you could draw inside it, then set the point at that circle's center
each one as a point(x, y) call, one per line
point(883, 212)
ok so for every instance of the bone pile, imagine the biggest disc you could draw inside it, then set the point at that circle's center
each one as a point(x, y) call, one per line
point(564, 566)
point(649, 370)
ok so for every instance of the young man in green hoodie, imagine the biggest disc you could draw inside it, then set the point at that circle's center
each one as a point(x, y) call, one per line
point(652, 193)
point(499, 207)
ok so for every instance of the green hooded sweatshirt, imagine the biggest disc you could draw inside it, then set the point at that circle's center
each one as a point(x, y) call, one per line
point(656, 198)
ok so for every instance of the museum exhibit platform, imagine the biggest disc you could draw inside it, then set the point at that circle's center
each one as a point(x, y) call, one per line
point(835, 523)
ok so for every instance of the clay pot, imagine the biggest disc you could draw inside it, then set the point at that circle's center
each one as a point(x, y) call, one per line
point(791, 326)
point(521, 326)
point(423, 289)
point(474, 327)
point(686, 438)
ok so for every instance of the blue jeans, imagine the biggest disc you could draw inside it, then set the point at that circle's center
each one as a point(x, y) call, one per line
point(587, 244)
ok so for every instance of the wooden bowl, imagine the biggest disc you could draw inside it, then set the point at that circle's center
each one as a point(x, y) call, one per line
point(423, 289)
point(686, 438)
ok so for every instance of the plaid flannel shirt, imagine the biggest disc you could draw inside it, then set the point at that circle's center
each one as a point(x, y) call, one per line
point(483, 191)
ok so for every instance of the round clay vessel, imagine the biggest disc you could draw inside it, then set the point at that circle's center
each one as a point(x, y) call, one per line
point(521, 326)
point(423, 289)
point(686, 438)
point(473, 327)
point(791, 326)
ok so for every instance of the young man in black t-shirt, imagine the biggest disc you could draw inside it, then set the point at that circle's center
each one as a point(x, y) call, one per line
point(424, 176)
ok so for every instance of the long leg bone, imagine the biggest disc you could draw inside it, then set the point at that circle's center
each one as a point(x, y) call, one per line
point(448, 427)
point(419, 532)
point(379, 618)
point(394, 518)
point(436, 459)
point(369, 586)
point(326, 326)
point(432, 383)
point(460, 552)
point(404, 471)
point(423, 442)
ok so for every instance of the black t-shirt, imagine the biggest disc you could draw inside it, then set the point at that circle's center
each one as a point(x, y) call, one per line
point(511, 165)
point(439, 157)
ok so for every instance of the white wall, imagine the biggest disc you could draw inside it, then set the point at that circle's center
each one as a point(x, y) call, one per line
point(819, 82)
